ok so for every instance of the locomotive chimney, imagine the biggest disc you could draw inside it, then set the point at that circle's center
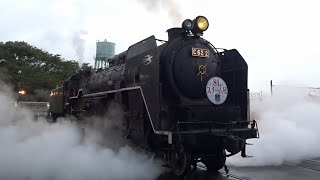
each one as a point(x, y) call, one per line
point(174, 33)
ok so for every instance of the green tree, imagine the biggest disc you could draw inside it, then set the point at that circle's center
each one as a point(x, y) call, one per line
point(33, 68)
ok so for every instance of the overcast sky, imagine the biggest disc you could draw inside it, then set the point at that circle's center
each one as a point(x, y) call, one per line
point(278, 39)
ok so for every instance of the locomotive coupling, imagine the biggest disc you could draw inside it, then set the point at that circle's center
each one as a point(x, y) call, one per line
point(196, 26)
point(234, 144)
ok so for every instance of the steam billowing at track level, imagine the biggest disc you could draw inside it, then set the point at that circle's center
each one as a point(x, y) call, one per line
point(37, 150)
point(289, 128)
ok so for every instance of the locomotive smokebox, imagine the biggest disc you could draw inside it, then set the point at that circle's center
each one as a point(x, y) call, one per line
point(174, 33)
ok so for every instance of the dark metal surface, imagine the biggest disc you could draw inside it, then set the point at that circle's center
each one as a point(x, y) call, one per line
point(142, 68)
point(234, 70)
point(56, 101)
point(181, 69)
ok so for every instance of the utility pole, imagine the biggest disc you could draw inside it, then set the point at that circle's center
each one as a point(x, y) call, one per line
point(19, 86)
point(271, 87)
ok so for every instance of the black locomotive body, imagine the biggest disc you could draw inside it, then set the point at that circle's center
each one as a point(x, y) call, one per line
point(165, 92)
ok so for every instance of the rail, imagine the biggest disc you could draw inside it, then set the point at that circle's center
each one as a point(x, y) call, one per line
point(228, 175)
point(303, 165)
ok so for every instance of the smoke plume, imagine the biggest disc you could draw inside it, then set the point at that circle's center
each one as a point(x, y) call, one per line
point(38, 150)
point(79, 44)
point(289, 128)
point(171, 6)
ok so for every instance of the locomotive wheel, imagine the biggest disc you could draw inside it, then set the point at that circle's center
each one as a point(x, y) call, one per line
point(182, 162)
point(215, 164)
point(54, 118)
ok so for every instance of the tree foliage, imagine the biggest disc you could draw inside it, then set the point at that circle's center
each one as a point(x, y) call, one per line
point(24, 65)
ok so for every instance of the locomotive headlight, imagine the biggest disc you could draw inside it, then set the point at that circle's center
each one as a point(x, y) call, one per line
point(187, 24)
point(202, 23)
point(196, 26)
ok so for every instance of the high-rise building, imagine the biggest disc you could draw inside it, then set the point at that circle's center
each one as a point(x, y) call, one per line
point(104, 51)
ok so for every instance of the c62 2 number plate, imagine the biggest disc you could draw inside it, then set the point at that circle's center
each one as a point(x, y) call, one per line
point(198, 52)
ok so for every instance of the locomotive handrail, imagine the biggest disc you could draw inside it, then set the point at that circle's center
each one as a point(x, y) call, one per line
point(160, 40)
point(178, 129)
point(216, 122)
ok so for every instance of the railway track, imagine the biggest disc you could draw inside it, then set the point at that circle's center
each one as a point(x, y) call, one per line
point(314, 161)
point(228, 175)
point(309, 164)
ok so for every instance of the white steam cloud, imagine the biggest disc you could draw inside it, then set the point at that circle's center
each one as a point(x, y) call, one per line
point(171, 6)
point(78, 42)
point(37, 150)
point(289, 128)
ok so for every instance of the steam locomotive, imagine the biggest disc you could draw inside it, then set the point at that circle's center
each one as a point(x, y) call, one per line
point(184, 100)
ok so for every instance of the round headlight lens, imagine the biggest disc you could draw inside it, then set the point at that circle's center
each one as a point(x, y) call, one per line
point(187, 24)
point(202, 23)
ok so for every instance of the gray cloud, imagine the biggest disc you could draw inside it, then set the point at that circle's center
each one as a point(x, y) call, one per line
point(273, 44)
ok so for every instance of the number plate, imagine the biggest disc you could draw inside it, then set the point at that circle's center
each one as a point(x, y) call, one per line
point(200, 52)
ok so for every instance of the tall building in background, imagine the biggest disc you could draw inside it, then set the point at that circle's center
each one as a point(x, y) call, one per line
point(104, 51)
